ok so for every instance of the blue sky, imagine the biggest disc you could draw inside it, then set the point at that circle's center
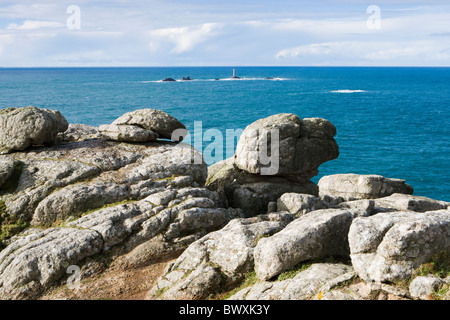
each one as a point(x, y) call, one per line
point(224, 33)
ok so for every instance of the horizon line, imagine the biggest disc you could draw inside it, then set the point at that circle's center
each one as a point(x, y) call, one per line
point(230, 66)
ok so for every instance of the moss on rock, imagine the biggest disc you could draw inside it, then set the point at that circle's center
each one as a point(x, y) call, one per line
point(9, 226)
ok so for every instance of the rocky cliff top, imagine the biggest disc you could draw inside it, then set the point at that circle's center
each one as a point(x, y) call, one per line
point(126, 196)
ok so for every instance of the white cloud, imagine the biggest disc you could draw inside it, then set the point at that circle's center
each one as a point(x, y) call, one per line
point(402, 53)
point(5, 41)
point(310, 49)
point(184, 38)
point(327, 53)
point(35, 24)
point(157, 32)
point(93, 58)
point(424, 52)
point(397, 53)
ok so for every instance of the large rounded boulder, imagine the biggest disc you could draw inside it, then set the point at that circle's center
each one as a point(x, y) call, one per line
point(299, 146)
point(157, 121)
point(274, 155)
point(21, 128)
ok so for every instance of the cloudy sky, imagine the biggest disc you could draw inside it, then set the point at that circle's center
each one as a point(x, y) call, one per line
point(224, 32)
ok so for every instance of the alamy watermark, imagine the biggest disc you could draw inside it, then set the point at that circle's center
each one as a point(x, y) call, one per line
point(261, 147)
point(74, 20)
point(74, 281)
point(374, 20)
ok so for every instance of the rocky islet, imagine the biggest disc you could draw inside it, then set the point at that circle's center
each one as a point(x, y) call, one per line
point(70, 192)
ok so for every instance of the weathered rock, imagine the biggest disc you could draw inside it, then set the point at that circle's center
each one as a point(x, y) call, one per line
point(144, 219)
point(161, 198)
point(250, 192)
point(225, 255)
point(78, 132)
point(147, 200)
point(299, 204)
point(78, 178)
point(272, 207)
point(300, 146)
point(253, 198)
point(406, 202)
point(7, 167)
point(317, 128)
point(361, 290)
point(365, 205)
point(127, 133)
point(33, 263)
point(220, 175)
point(106, 155)
point(155, 168)
point(34, 179)
point(196, 285)
point(180, 217)
point(21, 128)
point(389, 246)
point(338, 295)
point(193, 219)
point(307, 284)
point(153, 120)
point(116, 223)
point(315, 235)
point(356, 186)
point(42, 171)
point(425, 286)
point(74, 200)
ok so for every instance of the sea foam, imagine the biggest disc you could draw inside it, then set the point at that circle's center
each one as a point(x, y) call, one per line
point(347, 91)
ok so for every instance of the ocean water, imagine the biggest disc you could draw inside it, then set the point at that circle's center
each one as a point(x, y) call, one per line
point(393, 122)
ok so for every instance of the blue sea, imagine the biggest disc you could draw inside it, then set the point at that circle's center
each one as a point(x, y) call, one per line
point(393, 122)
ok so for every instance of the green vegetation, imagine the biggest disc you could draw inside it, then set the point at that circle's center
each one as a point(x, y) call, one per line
point(438, 266)
point(9, 226)
point(441, 293)
point(109, 205)
point(63, 223)
point(2, 208)
point(259, 237)
point(249, 280)
point(170, 179)
point(291, 273)
point(160, 291)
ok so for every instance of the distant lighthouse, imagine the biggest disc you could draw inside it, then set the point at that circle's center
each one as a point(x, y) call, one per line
point(234, 74)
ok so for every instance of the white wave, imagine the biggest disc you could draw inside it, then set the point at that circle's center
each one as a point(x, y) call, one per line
point(347, 91)
point(249, 79)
